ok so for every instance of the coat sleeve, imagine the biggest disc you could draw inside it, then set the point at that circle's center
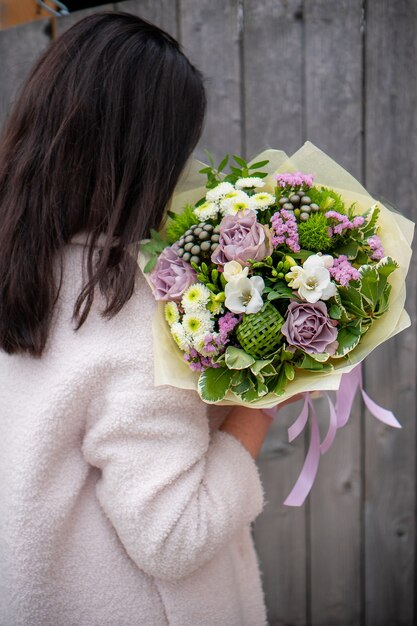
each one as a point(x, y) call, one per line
point(174, 494)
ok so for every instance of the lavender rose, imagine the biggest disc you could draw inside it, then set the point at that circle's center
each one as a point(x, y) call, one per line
point(242, 238)
point(171, 276)
point(309, 327)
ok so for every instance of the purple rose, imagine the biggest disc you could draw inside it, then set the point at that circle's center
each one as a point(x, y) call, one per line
point(309, 327)
point(171, 276)
point(242, 238)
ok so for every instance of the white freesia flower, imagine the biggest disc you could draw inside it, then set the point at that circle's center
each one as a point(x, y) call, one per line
point(244, 295)
point(313, 280)
point(232, 270)
point(206, 211)
point(219, 191)
point(262, 200)
point(197, 323)
point(195, 297)
point(180, 336)
point(249, 183)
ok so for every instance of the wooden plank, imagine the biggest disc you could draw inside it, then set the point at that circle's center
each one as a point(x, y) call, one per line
point(162, 13)
point(333, 59)
point(391, 170)
point(333, 101)
point(273, 75)
point(210, 34)
point(19, 48)
point(280, 531)
point(65, 22)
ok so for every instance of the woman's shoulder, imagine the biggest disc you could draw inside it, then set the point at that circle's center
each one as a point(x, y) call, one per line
point(128, 331)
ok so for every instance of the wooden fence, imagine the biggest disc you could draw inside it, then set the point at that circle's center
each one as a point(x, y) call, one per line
point(343, 74)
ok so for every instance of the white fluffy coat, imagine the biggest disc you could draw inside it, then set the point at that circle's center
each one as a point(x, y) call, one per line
point(120, 505)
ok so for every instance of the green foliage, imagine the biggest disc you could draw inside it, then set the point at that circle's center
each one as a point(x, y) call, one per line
point(313, 233)
point(240, 169)
point(153, 248)
point(211, 278)
point(238, 359)
point(214, 383)
point(370, 228)
point(178, 223)
point(327, 199)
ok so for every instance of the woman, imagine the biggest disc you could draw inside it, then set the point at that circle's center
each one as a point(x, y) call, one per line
point(120, 504)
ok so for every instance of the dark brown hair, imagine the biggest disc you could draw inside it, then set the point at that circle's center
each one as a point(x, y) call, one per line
point(95, 142)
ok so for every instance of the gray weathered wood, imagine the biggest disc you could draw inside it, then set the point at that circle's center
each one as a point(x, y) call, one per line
point(210, 32)
point(333, 110)
point(19, 48)
point(391, 170)
point(273, 75)
point(162, 13)
point(280, 531)
point(66, 21)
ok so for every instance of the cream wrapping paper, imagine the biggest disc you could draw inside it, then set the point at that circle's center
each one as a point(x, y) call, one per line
point(396, 233)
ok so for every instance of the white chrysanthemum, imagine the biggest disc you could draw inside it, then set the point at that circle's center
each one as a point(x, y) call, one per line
point(195, 297)
point(206, 211)
point(235, 201)
point(197, 323)
point(180, 336)
point(171, 313)
point(262, 200)
point(249, 183)
point(219, 191)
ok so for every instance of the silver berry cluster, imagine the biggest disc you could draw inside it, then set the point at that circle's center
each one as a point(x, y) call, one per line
point(299, 204)
point(198, 242)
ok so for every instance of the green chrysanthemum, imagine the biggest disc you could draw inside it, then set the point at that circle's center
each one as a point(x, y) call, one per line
point(313, 234)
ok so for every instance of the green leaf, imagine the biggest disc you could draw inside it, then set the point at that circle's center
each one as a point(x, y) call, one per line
point(259, 365)
point(335, 312)
point(370, 284)
point(386, 266)
point(259, 174)
point(237, 359)
point(289, 370)
point(213, 383)
point(240, 161)
point(223, 163)
point(257, 165)
point(350, 249)
point(308, 363)
point(269, 370)
point(370, 227)
point(150, 264)
point(251, 395)
point(280, 291)
point(348, 338)
point(281, 382)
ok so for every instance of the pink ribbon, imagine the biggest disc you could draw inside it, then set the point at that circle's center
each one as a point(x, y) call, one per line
point(339, 416)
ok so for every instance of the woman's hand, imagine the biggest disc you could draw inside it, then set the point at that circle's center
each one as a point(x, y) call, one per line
point(250, 426)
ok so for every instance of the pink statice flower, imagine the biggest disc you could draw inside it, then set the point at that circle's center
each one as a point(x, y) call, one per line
point(197, 362)
point(342, 222)
point(286, 230)
point(296, 179)
point(343, 271)
point(375, 244)
point(226, 324)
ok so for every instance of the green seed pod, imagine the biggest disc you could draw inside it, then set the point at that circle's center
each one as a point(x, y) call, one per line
point(186, 256)
point(208, 227)
point(295, 199)
point(203, 235)
point(188, 246)
point(205, 246)
point(180, 251)
point(215, 238)
point(214, 246)
point(305, 200)
point(188, 238)
point(283, 201)
point(304, 216)
point(197, 231)
point(297, 212)
point(195, 250)
point(281, 275)
point(195, 259)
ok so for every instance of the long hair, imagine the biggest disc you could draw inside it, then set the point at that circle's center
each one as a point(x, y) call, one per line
point(95, 142)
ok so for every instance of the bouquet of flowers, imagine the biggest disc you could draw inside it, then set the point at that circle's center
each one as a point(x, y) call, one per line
point(274, 279)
